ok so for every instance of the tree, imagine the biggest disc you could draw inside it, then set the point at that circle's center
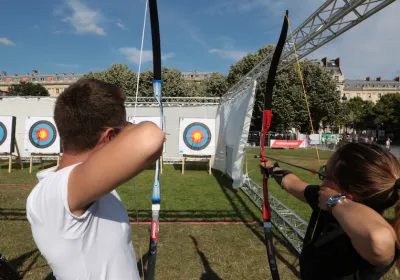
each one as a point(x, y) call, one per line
point(243, 66)
point(28, 89)
point(173, 83)
point(240, 69)
point(215, 86)
point(387, 109)
point(119, 75)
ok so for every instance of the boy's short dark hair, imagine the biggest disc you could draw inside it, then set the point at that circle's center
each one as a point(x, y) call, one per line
point(84, 110)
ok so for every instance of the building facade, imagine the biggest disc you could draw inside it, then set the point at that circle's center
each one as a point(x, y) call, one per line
point(334, 68)
point(195, 76)
point(369, 89)
point(55, 83)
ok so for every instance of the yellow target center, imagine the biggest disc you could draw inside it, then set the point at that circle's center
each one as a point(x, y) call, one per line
point(197, 137)
point(42, 134)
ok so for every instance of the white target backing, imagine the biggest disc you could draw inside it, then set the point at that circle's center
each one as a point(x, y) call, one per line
point(137, 120)
point(7, 134)
point(41, 136)
point(196, 136)
point(156, 120)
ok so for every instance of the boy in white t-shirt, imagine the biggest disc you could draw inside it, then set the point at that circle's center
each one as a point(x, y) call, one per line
point(77, 219)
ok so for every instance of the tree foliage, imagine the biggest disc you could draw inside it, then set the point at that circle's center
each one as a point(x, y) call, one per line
point(289, 106)
point(387, 109)
point(28, 89)
point(289, 97)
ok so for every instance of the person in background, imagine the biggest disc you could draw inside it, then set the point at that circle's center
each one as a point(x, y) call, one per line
point(347, 236)
point(77, 219)
point(388, 141)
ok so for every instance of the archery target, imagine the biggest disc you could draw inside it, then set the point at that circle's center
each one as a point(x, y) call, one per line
point(137, 120)
point(41, 136)
point(7, 134)
point(197, 136)
point(156, 120)
point(3, 133)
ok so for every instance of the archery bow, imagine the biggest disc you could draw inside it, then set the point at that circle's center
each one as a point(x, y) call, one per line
point(267, 117)
point(157, 86)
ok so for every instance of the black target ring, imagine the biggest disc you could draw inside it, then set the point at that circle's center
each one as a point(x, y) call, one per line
point(197, 136)
point(42, 134)
point(3, 133)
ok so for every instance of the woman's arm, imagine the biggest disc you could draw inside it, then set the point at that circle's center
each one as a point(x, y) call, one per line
point(371, 235)
point(290, 183)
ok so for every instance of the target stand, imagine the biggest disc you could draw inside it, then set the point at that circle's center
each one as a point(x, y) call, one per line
point(10, 157)
point(43, 158)
point(8, 142)
point(197, 159)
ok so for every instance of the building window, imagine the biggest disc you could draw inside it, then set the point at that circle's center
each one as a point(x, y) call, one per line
point(57, 90)
point(379, 95)
point(369, 95)
point(337, 78)
point(42, 79)
point(358, 95)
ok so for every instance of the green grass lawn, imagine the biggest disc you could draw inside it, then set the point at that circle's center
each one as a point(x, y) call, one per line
point(184, 251)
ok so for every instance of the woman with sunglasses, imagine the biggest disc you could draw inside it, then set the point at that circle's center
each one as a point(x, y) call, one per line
point(347, 236)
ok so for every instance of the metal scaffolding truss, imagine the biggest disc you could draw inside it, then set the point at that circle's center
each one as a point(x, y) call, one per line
point(147, 101)
point(329, 21)
point(173, 101)
point(289, 224)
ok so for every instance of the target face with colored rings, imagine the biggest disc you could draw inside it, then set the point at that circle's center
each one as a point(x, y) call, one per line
point(42, 134)
point(3, 133)
point(197, 136)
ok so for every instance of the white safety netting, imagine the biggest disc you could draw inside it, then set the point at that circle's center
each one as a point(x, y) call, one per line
point(234, 117)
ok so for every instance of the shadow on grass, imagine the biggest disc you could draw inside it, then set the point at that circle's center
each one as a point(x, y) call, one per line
point(34, 255)
point(226, 187)
point(208, 271)
point(19, 214)
point(25, 165)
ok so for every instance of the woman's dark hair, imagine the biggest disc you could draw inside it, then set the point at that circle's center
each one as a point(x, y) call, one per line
point(84, 109)
point(368, 172)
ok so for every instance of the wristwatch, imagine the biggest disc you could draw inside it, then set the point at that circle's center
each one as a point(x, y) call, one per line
point(334, 200)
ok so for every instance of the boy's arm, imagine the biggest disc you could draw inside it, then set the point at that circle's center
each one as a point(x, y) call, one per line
point(128, 154)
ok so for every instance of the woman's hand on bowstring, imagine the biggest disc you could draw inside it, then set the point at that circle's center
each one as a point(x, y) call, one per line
point(324, 194)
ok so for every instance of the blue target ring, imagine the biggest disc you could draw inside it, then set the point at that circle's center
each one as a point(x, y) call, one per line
point(197, 136)
point(3, 133)
point(42, 134)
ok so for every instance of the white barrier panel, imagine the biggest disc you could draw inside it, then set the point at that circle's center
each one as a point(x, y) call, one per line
point(234, 119)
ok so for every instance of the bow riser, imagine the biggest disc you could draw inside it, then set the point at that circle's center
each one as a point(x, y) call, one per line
point(157, 88)
point(267, 119)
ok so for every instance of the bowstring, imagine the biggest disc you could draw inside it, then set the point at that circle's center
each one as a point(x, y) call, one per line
point(308, 109)
point(134, 119)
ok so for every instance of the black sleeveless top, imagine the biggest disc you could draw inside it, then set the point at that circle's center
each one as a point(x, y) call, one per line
point(330, 255)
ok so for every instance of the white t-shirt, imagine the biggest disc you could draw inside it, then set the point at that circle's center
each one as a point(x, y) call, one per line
point(96, 245)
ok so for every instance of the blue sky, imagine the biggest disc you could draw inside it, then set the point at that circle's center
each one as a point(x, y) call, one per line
point(210, 35)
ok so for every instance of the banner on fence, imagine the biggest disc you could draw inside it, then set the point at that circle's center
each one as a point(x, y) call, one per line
point(288, 144)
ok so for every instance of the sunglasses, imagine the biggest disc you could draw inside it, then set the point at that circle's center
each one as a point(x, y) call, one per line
point(322, 173)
